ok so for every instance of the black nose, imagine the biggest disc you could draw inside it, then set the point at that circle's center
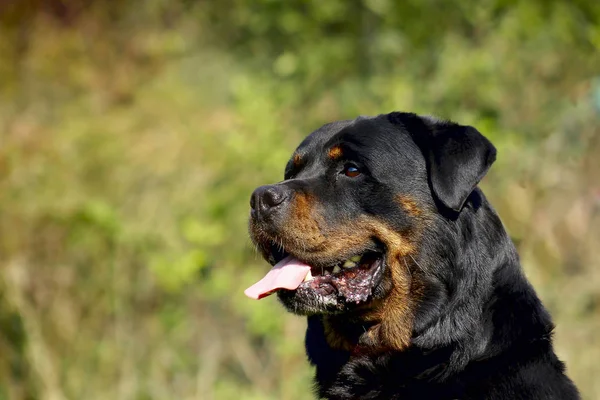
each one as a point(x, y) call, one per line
point(267, 198)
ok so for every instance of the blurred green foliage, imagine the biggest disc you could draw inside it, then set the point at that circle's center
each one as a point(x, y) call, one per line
point(132, 134)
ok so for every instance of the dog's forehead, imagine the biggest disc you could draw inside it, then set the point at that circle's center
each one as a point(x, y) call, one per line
point(365, 131)
point(373, 137)
point(320, 137)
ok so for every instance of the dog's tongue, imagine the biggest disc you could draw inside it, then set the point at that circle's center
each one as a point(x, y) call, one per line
point(288, 273)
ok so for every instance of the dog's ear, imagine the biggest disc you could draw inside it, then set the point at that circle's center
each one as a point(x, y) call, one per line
point(457, 156)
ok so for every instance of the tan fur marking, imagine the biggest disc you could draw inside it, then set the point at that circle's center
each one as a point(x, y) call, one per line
point(393, 316)
point(297, 159)
point(410, 206)
point(307, 227)
point(303, 222)
point(335, 152)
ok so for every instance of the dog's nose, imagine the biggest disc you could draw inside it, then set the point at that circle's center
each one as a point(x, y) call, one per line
point(267, 198)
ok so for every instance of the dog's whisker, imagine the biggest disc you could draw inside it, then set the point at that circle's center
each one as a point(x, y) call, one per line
point(406, 266)
point(415, 261)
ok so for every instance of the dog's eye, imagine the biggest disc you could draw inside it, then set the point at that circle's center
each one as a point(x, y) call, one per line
point(351, 170)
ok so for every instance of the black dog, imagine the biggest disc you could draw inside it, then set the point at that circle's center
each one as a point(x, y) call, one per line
point(412, 288)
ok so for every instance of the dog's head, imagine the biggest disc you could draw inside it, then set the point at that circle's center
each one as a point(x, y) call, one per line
point(345, 227)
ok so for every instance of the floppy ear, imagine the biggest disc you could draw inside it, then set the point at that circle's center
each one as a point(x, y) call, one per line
point(458, 158)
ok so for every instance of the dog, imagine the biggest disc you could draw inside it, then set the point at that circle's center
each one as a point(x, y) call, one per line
point(411, 286)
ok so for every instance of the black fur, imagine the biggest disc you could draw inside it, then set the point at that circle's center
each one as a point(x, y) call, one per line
point(479, 330)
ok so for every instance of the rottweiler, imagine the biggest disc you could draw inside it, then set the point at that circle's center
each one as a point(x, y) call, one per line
point(411, 286)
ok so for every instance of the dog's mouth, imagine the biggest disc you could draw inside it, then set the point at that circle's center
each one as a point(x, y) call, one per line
point(351, 279)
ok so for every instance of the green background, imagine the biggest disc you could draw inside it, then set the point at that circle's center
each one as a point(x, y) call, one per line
point(132, 134)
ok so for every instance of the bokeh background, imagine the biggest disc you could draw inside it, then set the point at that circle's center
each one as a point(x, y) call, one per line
point(133, 132)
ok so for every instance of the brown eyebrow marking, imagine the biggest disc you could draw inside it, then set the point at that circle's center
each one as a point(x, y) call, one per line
point(297, 159)
point(335, 152)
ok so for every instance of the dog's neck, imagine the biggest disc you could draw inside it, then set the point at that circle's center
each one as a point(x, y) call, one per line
point(361, 337)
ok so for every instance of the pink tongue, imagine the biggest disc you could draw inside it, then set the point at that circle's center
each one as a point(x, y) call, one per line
point(288, 273)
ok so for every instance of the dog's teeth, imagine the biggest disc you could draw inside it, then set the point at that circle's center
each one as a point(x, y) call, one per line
point(349, 264)
point(336, 269)
point(355, 259)
point(308, 277)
